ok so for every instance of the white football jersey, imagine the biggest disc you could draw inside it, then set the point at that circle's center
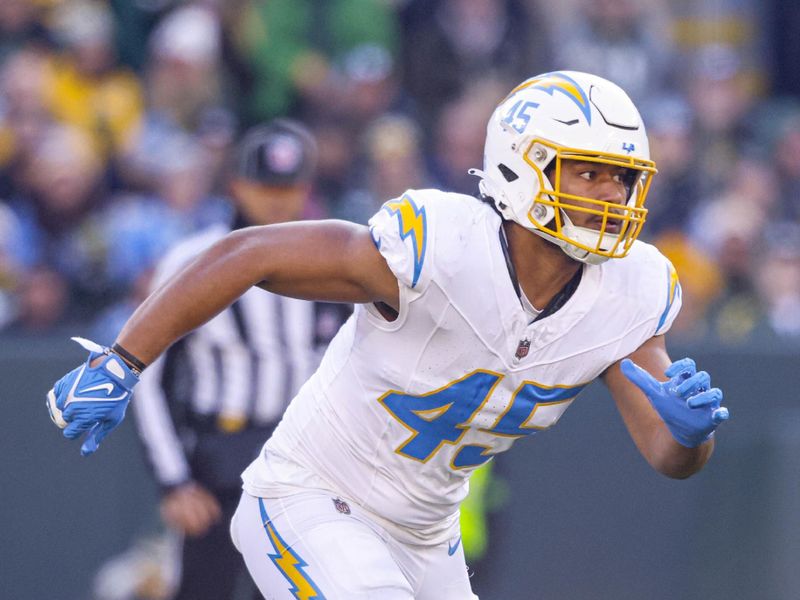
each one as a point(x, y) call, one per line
point(400, 413)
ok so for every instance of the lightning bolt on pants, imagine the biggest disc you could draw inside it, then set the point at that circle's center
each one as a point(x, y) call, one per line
point(315, 546)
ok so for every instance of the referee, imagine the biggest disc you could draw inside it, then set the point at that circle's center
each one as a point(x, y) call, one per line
point(205, 408)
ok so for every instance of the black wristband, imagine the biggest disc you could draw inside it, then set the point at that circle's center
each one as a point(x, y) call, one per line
point(129, 358)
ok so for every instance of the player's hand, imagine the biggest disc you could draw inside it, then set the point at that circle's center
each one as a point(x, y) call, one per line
point(190, 509)
point(690, 408)
point(93, 397)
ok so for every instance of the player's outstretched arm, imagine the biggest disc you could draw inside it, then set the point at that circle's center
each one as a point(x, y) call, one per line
point(323, 260)
point(668, 407)
point(316, 260)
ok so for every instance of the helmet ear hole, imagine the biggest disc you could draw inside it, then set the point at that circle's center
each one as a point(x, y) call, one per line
point(507, 173)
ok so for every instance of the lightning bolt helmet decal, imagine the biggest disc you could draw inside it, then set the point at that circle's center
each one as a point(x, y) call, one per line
point(559, 82)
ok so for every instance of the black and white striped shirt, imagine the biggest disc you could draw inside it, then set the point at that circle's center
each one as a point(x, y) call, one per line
point(237, 371)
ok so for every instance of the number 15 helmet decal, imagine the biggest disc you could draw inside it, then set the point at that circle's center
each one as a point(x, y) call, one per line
point(558, 117)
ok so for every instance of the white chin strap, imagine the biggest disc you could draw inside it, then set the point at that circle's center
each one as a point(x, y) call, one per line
point(581, 255)
point(583, 235)
point(587, 237)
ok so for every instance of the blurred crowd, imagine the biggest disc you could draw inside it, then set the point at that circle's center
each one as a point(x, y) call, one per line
point(116, 118)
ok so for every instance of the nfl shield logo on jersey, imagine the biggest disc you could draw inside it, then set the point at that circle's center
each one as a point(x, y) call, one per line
point(522, 349)
point(341, 506)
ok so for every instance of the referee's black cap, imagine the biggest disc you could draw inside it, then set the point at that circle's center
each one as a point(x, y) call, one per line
point(282, 153)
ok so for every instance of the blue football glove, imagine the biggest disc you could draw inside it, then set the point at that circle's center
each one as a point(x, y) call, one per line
point(690, 409)
point(92, 399)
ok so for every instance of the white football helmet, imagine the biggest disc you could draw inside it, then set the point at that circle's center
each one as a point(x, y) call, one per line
point(552, 118)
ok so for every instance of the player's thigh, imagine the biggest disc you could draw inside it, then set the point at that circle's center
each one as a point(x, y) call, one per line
point(441, 571)
point(302, 544)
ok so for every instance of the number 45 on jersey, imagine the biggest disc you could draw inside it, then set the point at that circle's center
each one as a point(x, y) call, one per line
point(444, 415)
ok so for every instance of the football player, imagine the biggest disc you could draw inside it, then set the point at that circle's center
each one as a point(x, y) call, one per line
point(479, 321)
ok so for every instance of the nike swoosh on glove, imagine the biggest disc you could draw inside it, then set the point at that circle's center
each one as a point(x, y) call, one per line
point(92, 399)
point(689, 407)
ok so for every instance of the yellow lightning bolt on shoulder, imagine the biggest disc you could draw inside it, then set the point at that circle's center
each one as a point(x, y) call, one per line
point(673, 291)
point(412, 223)
point(674, 283)
point(288, 562)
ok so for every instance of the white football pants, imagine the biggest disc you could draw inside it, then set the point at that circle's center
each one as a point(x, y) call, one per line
point(313, 546)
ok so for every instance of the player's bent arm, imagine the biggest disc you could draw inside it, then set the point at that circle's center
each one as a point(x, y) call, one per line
point(321, 260)
point(647, 428)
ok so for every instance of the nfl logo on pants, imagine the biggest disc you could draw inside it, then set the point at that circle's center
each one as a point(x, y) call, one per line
point(341, 506)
